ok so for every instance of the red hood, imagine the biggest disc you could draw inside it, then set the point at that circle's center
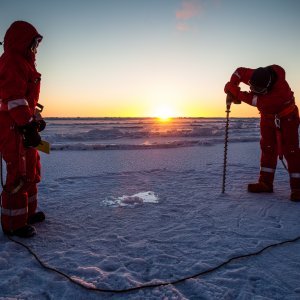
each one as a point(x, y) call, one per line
point(19, 37)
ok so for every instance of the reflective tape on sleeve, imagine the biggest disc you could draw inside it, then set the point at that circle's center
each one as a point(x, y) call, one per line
point(237, 74)
point(267, 170)
point(254, 100)
point(15, 103)
point(14, 212)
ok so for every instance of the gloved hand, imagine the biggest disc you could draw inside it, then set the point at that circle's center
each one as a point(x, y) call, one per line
point(38, 118)
point(232, 89)
point(31, 137)
point(41, 125)
point(231, 99)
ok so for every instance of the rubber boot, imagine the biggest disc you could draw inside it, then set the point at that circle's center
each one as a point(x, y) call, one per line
point(24, 232)
point(260, 187)
point(295, 196)
point(36, 218)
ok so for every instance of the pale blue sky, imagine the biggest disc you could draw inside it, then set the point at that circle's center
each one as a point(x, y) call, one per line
point(135, 57)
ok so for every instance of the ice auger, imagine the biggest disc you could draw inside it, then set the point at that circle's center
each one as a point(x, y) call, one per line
point(228, 104)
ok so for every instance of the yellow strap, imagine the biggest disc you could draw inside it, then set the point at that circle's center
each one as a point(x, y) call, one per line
point(44, 146)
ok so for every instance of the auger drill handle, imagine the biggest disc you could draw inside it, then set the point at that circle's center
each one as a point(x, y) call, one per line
point(228, 102)
point(231, 99)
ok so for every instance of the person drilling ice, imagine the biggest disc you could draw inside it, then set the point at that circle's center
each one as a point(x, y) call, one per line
point(20, 123)
point(279, 122)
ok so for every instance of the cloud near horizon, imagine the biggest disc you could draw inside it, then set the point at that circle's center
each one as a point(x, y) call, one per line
point(189, 10)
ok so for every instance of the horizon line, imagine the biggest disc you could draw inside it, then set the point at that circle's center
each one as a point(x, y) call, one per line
point(86, 117)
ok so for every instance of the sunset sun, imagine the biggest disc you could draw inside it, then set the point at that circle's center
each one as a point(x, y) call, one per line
point(164, 113)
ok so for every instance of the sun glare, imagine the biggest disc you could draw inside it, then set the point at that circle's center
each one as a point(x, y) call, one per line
point(164, 113)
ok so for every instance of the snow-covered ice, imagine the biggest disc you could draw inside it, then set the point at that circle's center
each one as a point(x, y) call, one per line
point(133, 214)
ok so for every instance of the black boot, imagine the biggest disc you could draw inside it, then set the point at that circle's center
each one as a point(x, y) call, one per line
point(25, 232)
point(260, 187)
point(295, 195)
point(36, 218)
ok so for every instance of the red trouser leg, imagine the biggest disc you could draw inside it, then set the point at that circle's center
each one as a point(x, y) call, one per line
point(290, 141)
point(32, 199)
point(268, 160)
point(33, 177)
point(14, 210)
point(15, 207)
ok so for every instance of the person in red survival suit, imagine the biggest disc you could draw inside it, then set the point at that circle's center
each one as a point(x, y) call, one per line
point(19, 134)
point(271, 94)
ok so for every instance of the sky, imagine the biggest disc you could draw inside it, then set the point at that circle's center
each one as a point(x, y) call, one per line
point(141, 58)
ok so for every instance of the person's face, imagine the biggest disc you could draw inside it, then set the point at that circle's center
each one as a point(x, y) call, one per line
point(35, 44)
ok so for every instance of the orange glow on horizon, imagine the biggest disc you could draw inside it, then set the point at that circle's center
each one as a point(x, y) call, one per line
point(164, 113)
point(164, 119)
point(164, 110)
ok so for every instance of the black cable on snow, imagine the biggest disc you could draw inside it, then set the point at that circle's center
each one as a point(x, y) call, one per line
point(149, 285)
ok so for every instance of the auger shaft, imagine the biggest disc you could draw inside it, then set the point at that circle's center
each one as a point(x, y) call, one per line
point(228, 104)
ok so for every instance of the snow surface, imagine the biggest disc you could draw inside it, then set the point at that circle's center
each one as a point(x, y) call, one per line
point(124, 218)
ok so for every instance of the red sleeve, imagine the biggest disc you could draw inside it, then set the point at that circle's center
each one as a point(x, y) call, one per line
point(14, 87)
point(241, 75)
point(249, 98)
point(244, 75)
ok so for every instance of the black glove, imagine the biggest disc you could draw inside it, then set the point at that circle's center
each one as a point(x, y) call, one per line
point(31, 137)
point(41, 125)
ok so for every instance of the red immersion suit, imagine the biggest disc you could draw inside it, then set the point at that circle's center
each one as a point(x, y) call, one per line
point(278, 102)
point(19, 93)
